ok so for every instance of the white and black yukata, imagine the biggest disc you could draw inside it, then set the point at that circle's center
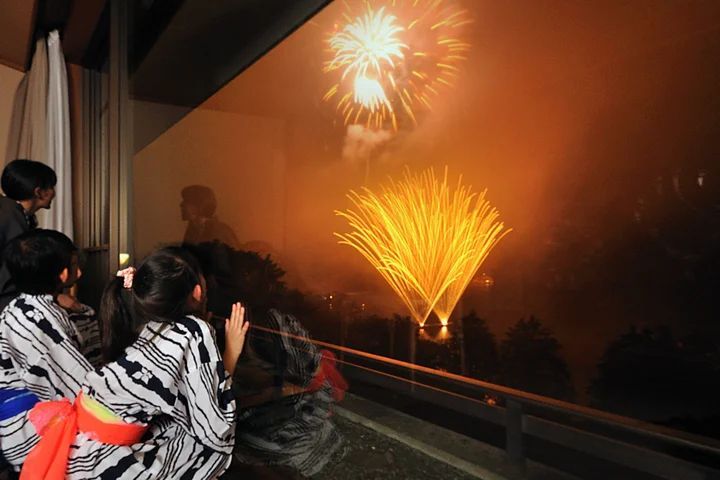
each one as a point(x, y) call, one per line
point(295, 431)
point(39, 351)
point(88, 334)
point(173, 379)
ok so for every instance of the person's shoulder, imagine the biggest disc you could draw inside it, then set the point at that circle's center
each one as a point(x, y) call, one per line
point(194, 326)
point(200, 337)
point(10, 213)
point(40, 311)
point(21, 304)
point(182, 332)
point(7, 205)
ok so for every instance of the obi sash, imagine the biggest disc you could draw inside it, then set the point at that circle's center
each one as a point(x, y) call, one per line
point(14, 401)
point(327, 372)
point(58, 422)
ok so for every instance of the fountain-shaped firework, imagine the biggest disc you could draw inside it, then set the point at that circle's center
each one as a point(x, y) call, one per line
point(425, 238)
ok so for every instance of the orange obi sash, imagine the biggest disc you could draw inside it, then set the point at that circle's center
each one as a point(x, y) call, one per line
point(327, 372)
point(57, 424)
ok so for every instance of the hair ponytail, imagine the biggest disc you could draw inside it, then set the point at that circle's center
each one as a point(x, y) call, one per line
point(116, 319)
point(160, 291)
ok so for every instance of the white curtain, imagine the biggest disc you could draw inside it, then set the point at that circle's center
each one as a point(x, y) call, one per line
point(58, 139)
point(28, 126)
point(40, 127)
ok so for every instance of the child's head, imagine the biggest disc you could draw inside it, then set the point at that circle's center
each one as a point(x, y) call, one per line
point(167, 286)
point(29, 180)
point(74, 271)
point(41, 262)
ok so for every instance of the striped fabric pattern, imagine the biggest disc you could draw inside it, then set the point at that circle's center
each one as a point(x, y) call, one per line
point(295, 431)
point(38, 351)
point(173, 379)
point(88, 333)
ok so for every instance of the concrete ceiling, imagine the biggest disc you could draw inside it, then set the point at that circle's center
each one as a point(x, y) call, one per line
point(206, 44)
point(202, 47)
point(77, 20)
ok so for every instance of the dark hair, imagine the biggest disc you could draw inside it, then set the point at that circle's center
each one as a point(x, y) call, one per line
point(161, 291)
point(63, 241)
point(36, 259)
point(21, 177)
point(202, 197)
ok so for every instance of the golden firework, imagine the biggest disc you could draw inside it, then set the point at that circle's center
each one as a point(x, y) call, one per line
point(478, 232)
point(425, 238)
point(392, 57)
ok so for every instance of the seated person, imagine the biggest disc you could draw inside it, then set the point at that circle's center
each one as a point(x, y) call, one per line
point(284, 419)
point(162, 406)
point(82, 316)
point(285, 387)
point(39, 357)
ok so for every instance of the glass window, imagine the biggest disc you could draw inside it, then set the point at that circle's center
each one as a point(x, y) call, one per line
point(518, 194)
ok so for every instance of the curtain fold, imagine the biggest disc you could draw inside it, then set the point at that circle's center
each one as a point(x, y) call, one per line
point(40, 126)
point(58, 138)
point(28, 125)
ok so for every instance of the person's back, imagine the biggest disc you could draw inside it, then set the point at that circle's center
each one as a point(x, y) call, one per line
point(28, 186)
point(39, 357)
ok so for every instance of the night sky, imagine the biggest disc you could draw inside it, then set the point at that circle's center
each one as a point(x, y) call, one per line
point(593, 126)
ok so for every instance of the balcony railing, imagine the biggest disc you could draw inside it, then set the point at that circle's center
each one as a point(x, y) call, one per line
point(633, 444)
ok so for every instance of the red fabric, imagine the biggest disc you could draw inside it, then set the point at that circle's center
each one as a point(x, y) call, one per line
point(57, 424)
point(327, 372)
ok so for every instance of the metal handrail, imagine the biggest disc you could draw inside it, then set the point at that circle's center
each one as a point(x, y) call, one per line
point(517, 399)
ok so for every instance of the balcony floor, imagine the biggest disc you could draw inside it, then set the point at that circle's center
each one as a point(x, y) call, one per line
point(384, 443)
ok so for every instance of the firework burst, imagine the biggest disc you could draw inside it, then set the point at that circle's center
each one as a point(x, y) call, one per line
point(424, 237)
point(391, 58)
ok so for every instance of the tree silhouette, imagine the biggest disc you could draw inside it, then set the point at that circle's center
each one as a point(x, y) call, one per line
point(530, 360)
point(437, 352)
point(650, 374)
point(483, 361)
point(402, 327)
point(371, 334)
point(234, 275)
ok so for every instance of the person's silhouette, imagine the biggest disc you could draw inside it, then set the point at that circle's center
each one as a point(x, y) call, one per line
point(198, 209)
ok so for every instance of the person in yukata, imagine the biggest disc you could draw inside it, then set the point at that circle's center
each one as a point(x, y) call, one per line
point(40, 357)
point(162, 405)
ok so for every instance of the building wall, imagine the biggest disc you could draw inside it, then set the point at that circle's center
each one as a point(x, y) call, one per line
point(9, 80)
point(241, 157)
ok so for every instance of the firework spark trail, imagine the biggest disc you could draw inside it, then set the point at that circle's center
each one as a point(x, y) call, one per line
point(424, 238)
point(364, 45)
point(478, 233)
point(394, 60)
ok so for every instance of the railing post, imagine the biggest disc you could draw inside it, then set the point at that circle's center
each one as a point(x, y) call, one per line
point(514, 433)
point(413, 352)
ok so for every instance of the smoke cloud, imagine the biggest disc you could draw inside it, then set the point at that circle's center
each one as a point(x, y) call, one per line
point(361, 142)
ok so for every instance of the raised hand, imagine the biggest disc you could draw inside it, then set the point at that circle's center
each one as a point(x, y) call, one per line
point(235, 330)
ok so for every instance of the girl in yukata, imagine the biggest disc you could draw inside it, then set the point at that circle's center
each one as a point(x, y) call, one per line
point(162, 407)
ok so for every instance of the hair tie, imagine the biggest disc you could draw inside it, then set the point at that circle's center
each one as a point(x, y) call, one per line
point(127, 275)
